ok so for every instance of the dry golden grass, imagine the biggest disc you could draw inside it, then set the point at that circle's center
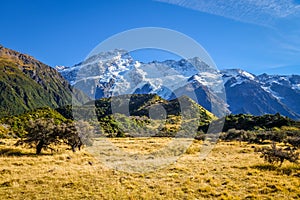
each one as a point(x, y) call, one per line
point(231, 171)
point(142, 145)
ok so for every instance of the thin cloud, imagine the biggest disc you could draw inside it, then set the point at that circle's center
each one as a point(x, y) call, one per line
point(291, 48)
point(288, 41)
point(262, 12)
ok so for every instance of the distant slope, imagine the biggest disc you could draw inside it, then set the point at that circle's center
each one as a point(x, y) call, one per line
point(26, 84)
point(142, 114)
point(144, 104)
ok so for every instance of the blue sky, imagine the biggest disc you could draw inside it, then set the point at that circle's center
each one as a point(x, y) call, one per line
point(255, 35)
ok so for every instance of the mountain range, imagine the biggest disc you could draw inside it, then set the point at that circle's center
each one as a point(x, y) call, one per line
point(26, 84)
point(221, 92)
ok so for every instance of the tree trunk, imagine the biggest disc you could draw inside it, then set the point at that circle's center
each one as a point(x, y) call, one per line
point(39, 147)
point(74, 148)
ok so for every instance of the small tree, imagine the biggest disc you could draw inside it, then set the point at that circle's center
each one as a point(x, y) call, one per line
point(43, 133)
point(40, 135)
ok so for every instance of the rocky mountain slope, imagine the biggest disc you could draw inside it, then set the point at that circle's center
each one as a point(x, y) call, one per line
point(247, 93)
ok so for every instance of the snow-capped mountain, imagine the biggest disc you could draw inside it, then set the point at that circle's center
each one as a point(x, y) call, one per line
point(247, 93)
point(286, 89)
point(116, 72)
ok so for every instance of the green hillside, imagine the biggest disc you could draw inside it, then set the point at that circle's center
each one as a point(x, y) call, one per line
point(140, 114)
point(26, 84)
point(141, 104)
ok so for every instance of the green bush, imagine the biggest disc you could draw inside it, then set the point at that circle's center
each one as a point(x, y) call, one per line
point(250, 122)
point(19, 123)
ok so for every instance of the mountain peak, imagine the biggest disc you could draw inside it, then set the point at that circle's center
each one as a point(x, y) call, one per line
point(115, 54)
point(238, 72)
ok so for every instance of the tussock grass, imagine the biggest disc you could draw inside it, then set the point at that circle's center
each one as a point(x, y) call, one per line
point(231, 171)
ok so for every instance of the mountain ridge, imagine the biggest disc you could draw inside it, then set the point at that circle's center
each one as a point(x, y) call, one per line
point(121, 73)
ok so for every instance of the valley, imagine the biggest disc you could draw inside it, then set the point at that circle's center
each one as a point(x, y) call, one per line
point(152, 143)
point(150, 99)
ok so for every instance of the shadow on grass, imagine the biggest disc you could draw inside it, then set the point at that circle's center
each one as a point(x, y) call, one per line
point(287, 170)
point(265, 167)
point(18, 152)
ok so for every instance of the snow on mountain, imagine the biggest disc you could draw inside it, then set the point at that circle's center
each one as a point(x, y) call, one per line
point(116, 72)
point(292, 81)
point(237, 75)
point(130, 75)
point(296, 86)
point(212, 80)
point(101, 66)
point(273, 93)
point(247, 93)
point(60, 67)
point(271, 83)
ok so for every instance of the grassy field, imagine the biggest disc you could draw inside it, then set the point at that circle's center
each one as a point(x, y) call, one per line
point(231, 171)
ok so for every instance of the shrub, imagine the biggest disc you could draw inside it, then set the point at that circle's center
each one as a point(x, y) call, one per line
point(277, 136)
point(231, 134)
point(249, 136)
point(18, 124)
point(250, 122)
point(294, 141)
point(200, 136)
point(293, 133)
point(76, 134)
point(276, 155)
point(261, 136)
